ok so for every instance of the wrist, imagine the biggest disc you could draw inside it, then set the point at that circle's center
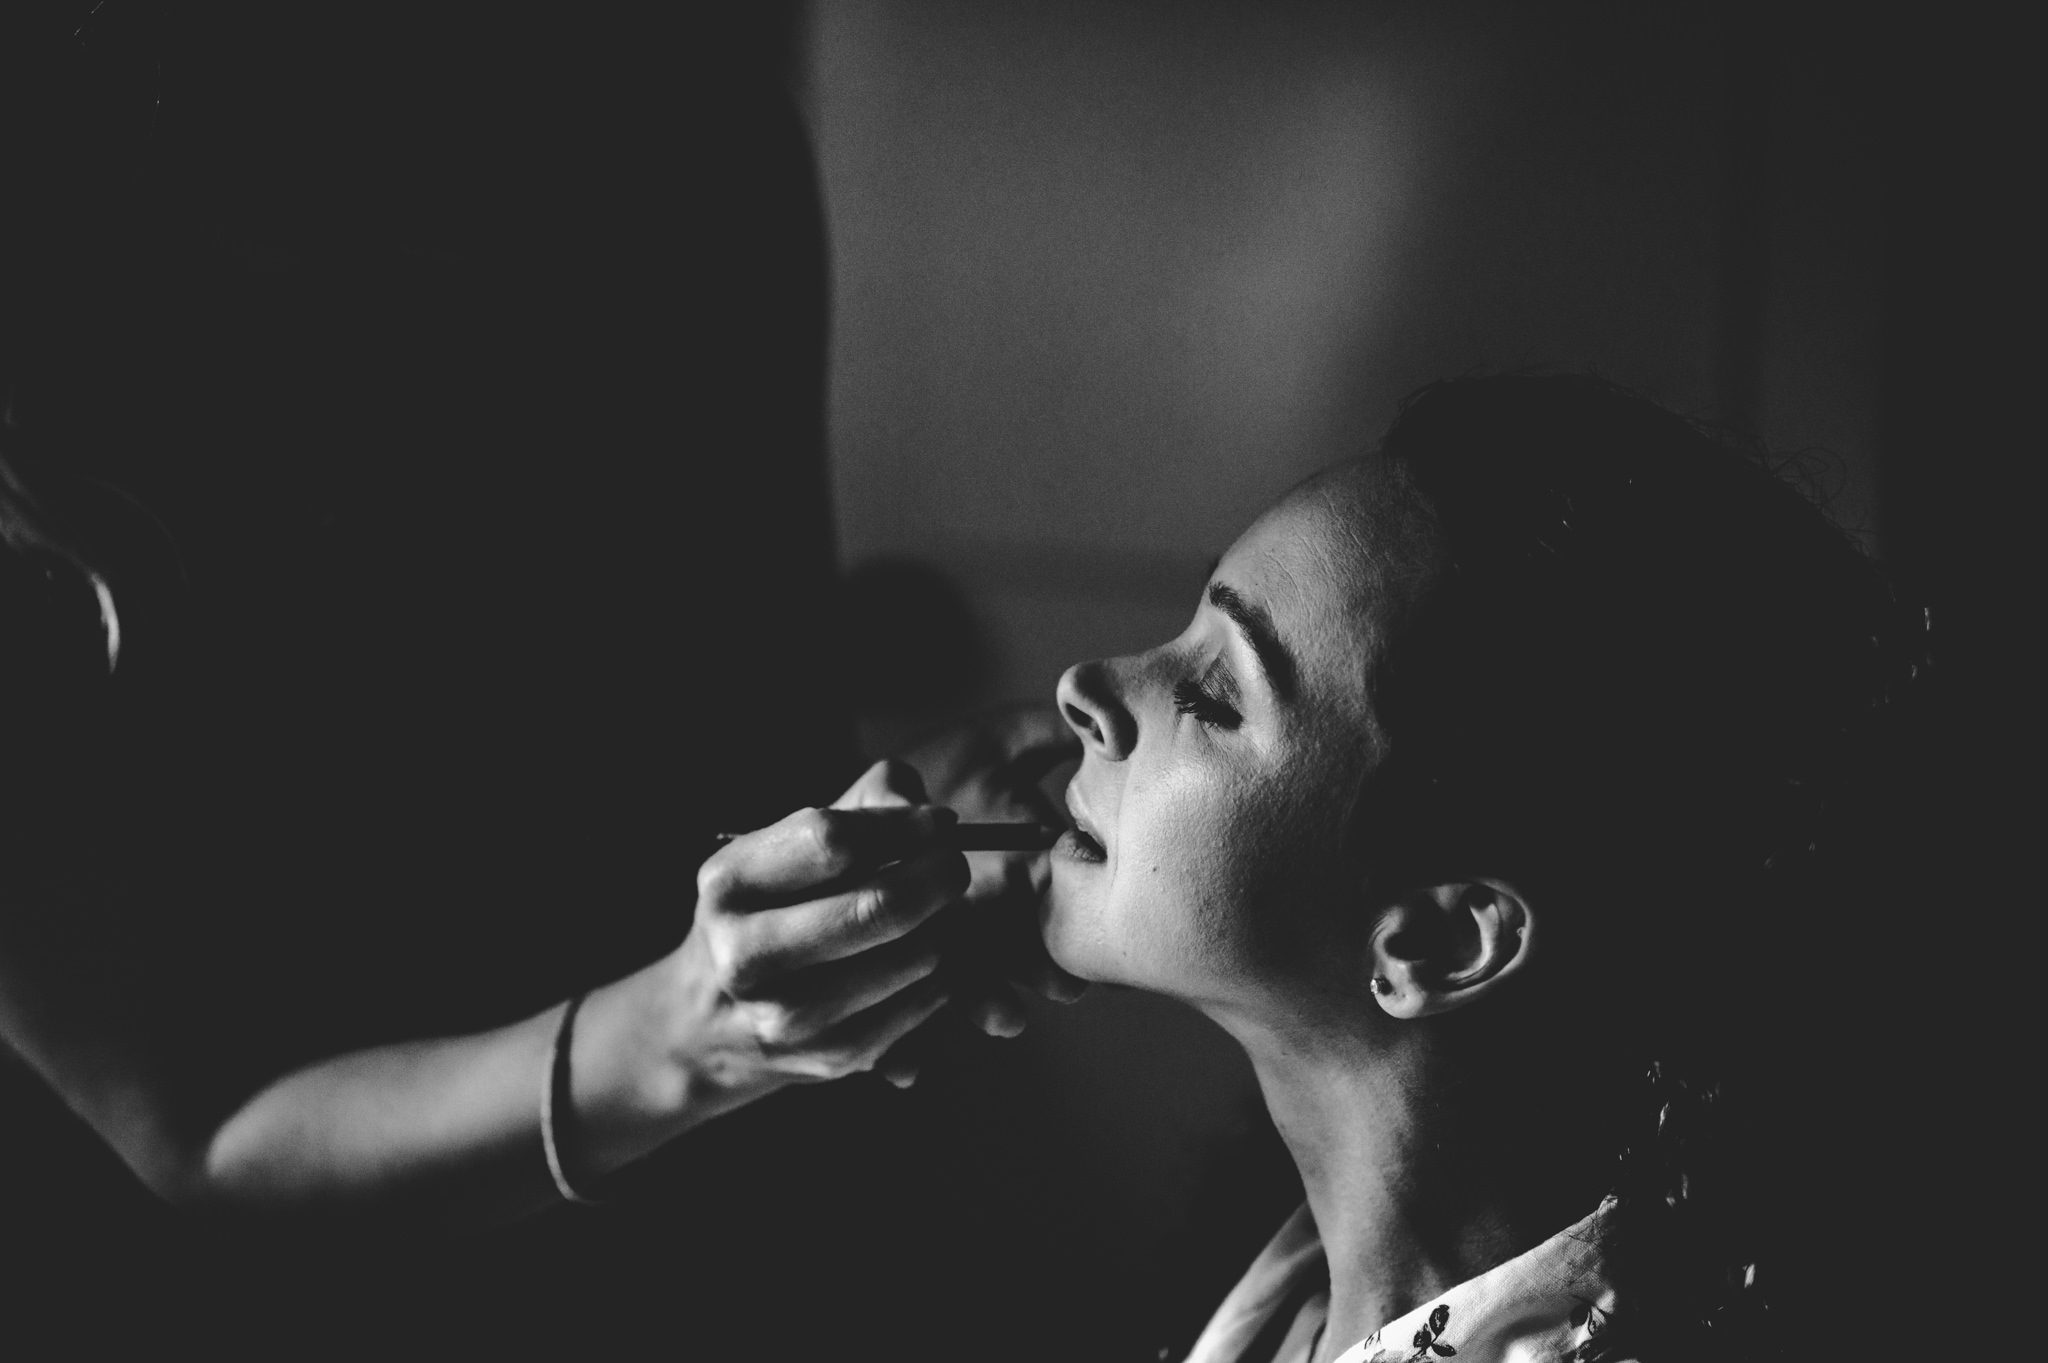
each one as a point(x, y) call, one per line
point(557, 1106)
point(626, 1095)
point(645, 1065)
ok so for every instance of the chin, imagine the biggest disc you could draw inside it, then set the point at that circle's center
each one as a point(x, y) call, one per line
point(1061, 944)
point(1072, 936)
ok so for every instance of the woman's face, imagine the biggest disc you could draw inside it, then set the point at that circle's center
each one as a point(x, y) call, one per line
point(1220, 768)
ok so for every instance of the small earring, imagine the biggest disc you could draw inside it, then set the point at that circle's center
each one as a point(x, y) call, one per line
point(1380, 985)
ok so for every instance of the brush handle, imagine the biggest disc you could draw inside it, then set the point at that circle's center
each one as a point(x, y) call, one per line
point(982, 837)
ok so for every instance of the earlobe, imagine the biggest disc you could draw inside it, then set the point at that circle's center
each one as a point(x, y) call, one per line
point(1448, 946)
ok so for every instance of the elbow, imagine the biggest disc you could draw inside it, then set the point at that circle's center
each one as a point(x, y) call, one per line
point(210, 1182)
point(181, 1178)
point(169, 1158)
point(191, 1169)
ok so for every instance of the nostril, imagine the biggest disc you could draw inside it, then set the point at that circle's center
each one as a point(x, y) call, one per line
point(1088, 702)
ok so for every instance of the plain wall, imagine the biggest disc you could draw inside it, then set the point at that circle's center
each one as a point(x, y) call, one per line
point(1110, 277)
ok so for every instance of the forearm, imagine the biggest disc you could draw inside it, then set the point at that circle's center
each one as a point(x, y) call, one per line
point(753, 999)
point(448, 1131)
point(444, 1131)
point(441, 1131)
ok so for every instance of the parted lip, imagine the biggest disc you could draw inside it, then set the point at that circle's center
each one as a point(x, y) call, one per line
point(1081, 822)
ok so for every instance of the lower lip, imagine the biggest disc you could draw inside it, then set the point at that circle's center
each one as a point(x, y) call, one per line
point(1072, 846)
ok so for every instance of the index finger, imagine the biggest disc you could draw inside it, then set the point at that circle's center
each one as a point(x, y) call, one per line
point(813, 850)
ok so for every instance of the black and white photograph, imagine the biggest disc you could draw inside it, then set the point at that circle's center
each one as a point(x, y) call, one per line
point(1108, 681)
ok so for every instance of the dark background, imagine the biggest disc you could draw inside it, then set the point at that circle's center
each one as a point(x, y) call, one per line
point(319, 283)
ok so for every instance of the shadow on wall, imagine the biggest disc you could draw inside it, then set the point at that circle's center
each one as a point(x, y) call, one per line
point(918, 656)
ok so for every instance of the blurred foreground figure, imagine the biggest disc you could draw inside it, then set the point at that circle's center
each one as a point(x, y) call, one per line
point(416, 543)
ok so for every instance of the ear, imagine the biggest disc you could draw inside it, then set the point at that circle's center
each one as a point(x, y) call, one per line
point(1448, 946)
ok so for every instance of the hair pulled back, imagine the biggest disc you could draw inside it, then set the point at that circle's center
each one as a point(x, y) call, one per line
point(1643, 684)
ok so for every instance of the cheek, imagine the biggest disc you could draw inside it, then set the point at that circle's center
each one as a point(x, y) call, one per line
point(1217, 863)
point(1283, 889)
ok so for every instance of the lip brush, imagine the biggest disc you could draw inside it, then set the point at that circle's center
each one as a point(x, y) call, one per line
point(983, 837)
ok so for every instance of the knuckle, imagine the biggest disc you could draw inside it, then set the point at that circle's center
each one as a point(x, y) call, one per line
point(715, 878)
point(830, 835)
point(725, 971)
point(869, 907)
point(734, 968)
point(776, 1025)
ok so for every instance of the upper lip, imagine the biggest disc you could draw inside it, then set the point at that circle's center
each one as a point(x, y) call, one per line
point(1082, 823)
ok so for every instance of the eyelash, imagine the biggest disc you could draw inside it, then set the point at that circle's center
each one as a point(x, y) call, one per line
point(1190, 699)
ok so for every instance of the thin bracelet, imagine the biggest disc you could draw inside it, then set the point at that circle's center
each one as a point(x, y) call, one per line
point(554, 1091)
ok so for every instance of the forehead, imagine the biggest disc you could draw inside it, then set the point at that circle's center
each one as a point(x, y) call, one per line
point(1339, 553)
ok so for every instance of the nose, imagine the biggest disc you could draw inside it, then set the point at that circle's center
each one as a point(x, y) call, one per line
point(1089, 703)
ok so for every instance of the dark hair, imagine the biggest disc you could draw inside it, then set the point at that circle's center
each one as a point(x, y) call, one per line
point(1641, 683)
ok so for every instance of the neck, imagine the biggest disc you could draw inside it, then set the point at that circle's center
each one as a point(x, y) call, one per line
point(1411, 1194)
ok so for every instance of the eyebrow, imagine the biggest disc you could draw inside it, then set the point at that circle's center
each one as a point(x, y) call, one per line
point(1257, 628)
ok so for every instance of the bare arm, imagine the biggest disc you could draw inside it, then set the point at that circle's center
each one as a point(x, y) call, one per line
point(803, 962)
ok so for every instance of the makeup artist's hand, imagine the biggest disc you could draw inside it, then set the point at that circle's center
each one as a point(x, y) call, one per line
point(1009, 765)
point(807, 959)
point(987, 940)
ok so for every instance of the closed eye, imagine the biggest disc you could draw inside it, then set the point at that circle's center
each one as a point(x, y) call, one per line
point(1190, 699)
